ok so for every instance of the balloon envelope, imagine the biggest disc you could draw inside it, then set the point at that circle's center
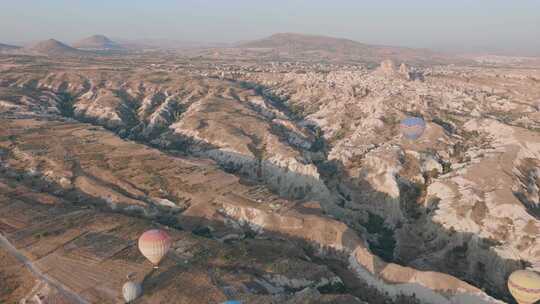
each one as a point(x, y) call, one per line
point(131, 291)
point(413, 127)
point(524, 285)
point(154, 245)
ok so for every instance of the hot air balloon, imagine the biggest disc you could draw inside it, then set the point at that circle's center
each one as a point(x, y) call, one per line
point(154, 245)
point(131, 291)
point(413, 127)
point(524, 285)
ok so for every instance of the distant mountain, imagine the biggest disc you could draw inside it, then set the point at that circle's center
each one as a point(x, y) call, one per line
point(97, 42)
point(8, 47)
point(303, 42)
point(54, 47)
point(330, 48)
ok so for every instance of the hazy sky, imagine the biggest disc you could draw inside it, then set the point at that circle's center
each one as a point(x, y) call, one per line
point(453, 24)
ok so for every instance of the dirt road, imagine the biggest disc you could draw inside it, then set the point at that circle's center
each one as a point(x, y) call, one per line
point(75, 298)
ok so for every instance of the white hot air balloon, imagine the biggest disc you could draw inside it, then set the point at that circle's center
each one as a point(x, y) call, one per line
point(524, 285)
point(131, 291)
point(154, 245)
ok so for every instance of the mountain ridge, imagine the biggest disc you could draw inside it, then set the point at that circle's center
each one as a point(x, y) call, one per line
point(4, 46)
point(302, 45)
point(97, 42)
point(53, 47)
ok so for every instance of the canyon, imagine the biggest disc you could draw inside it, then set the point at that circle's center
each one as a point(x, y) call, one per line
point(279, 180)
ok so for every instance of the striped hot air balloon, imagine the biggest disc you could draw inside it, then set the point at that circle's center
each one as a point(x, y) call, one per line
point(131, 291)
point(413, 127)
point(154, 245)
point(524, 285)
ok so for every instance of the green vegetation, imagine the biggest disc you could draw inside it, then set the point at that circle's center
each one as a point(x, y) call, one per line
point(340, 134)
point(297, 110)
point(42, 234)
point(390, 120)
point(470, 135)
point(66, 104)
point(431, 175)
point(386, 243)
point(433, 203)
point(410, 196)
point(159, 78)
point(280, 267)
point(333, 288)
point(447, 167)
point(237, 253)
point(459, 153)
point(169, 221)
point(448, 127)
point(203, 232)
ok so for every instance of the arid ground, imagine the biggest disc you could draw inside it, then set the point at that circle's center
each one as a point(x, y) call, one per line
point(277, 167)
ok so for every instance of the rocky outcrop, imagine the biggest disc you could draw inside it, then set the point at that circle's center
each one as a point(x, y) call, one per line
point(338, 239)
point(269, 147)
point(460, 200)
point(398, 186)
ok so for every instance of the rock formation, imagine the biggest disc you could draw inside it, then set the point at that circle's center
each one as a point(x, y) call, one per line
point(249, 156)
